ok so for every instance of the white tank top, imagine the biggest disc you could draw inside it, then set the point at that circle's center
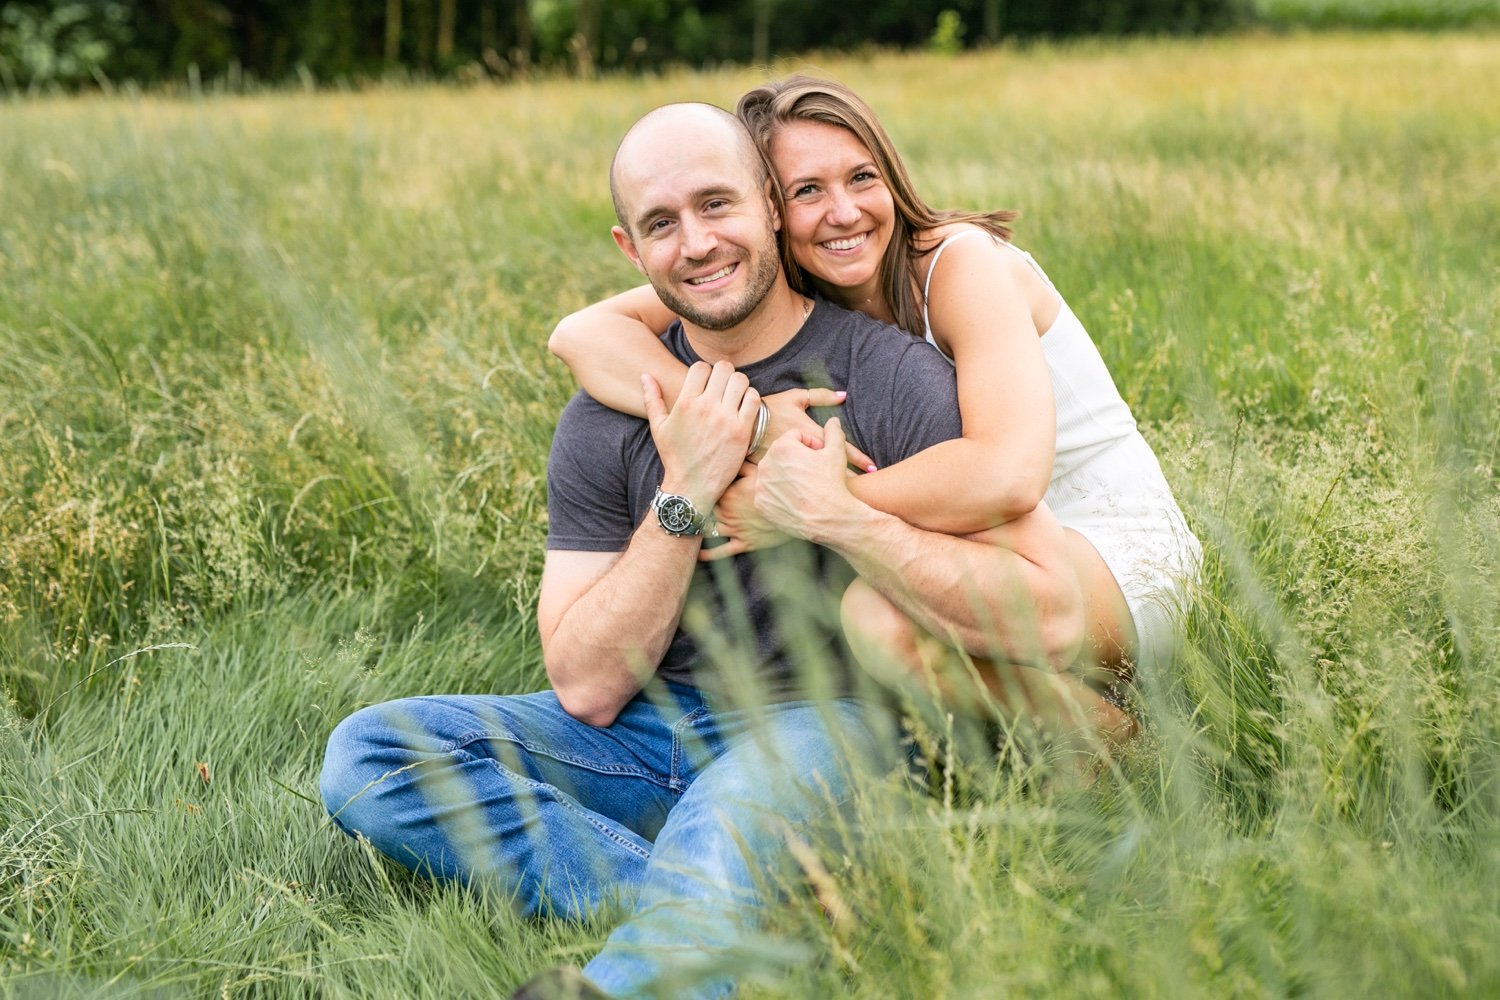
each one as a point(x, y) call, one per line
point(1106, 483)
point(1091, 415)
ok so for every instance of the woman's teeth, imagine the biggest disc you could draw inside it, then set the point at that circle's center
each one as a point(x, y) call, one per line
point(846, 244)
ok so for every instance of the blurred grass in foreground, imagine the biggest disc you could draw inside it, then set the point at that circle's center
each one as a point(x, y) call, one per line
point(274, 399)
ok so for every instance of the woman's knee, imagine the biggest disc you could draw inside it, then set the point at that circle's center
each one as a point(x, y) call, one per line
point(1061, 629)
point(875, 626)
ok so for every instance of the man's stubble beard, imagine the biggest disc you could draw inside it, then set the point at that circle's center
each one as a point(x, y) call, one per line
point(767, 267)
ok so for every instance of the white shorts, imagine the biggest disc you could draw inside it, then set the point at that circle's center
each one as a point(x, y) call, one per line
point(1120, 501)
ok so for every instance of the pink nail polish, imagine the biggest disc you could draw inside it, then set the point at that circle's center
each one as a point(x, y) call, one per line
point(869, 468)
point(842, 394)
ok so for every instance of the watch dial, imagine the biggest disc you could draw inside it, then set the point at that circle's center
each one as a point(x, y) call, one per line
point(676, 514)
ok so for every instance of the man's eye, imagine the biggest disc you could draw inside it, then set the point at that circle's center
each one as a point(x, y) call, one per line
point(715, 205)
point(658, 225)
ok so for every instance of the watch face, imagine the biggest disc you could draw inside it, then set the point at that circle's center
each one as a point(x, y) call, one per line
point(676, 515)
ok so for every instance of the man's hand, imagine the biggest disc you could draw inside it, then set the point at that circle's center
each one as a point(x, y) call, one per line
point(789, 413)
point(801, 488)
point(739, 521)
point(702, 440)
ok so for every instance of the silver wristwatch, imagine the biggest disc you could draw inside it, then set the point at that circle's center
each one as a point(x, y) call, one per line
point(677, 515)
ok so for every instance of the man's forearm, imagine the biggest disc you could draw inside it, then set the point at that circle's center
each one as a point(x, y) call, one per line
point(609, 642)
point(969, 591)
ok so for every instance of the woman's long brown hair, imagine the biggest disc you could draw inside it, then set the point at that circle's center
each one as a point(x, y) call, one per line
point(806, 98)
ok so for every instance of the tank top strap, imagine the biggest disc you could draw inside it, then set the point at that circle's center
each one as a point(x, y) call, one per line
point(938, 252)
point(927, 284)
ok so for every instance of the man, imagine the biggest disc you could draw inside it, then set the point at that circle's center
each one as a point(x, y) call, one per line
point(651, 769)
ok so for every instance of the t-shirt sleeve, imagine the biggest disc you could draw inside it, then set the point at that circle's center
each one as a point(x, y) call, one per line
point(924, 403)
point(588, 503)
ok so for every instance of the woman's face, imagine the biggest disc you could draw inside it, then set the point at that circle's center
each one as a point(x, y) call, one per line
point(839, 213)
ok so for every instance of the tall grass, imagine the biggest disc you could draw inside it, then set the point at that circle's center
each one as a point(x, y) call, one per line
point(274, 409)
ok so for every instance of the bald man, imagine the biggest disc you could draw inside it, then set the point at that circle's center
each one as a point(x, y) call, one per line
point(651, 771)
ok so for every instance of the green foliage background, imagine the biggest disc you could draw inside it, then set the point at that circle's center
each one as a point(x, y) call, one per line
point(274, 408)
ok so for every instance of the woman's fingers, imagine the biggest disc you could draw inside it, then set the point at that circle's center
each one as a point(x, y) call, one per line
point(857, 458)
point(834, 439)
point(733, 547)
point(824, 397)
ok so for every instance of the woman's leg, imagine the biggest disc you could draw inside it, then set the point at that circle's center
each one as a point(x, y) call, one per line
point(1059, 701)
point(1109, 639)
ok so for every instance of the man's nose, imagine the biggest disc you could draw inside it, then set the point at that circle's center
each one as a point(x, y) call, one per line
point(698, 239)
point(841, 208)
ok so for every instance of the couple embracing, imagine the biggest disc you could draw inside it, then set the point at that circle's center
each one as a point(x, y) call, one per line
point(1004, 504)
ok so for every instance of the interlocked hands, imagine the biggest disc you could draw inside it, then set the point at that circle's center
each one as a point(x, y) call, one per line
point(703, 438)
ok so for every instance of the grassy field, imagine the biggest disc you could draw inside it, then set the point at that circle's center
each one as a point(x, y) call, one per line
point(1417, 14)
point(274, 410)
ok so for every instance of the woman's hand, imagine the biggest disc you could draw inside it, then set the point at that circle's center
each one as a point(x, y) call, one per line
point(802, 484)
point(739, 521)
point(789, 414)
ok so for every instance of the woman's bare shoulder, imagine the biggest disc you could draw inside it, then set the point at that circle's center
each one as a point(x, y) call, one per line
point(992, 271)
point(931, 238)
point(986, 250)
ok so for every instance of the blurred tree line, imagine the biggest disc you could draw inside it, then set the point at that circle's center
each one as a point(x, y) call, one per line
point(100, 41)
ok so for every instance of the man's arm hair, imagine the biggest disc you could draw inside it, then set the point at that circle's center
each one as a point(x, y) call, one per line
point(607, 618)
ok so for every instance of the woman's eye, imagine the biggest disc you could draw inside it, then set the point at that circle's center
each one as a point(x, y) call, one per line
point(803, 191)
point(861, 176)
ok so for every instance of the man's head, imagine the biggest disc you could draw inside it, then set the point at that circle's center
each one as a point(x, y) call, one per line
point(696, 212)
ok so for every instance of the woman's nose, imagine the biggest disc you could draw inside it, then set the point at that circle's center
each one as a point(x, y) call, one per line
point(841, 209)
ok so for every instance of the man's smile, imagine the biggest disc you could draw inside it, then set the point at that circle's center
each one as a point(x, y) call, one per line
point(708, 279)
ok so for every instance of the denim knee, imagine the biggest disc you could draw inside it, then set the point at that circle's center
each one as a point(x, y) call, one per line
point(350, 763)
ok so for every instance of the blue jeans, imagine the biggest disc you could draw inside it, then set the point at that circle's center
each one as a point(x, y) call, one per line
point(676, 805)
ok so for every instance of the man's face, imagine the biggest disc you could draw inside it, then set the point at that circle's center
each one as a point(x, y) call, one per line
point(702, 231)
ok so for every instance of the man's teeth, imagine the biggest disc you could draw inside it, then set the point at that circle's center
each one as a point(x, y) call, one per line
point(848, 244)
point(712, 277)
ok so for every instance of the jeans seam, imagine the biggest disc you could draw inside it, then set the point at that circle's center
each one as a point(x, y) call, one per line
point(562, 800)
point(674, 780)
point(589, 765)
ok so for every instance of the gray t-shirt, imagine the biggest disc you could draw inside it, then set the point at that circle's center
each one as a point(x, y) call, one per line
point(604, 471)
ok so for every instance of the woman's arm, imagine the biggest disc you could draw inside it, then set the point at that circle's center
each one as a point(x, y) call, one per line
point(609, 344)
point(981, 312)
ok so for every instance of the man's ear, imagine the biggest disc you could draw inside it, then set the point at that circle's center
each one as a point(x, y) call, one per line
point(773, 205)
point(627, 246)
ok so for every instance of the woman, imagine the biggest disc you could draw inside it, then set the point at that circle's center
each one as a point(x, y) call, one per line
point(1053, 468)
